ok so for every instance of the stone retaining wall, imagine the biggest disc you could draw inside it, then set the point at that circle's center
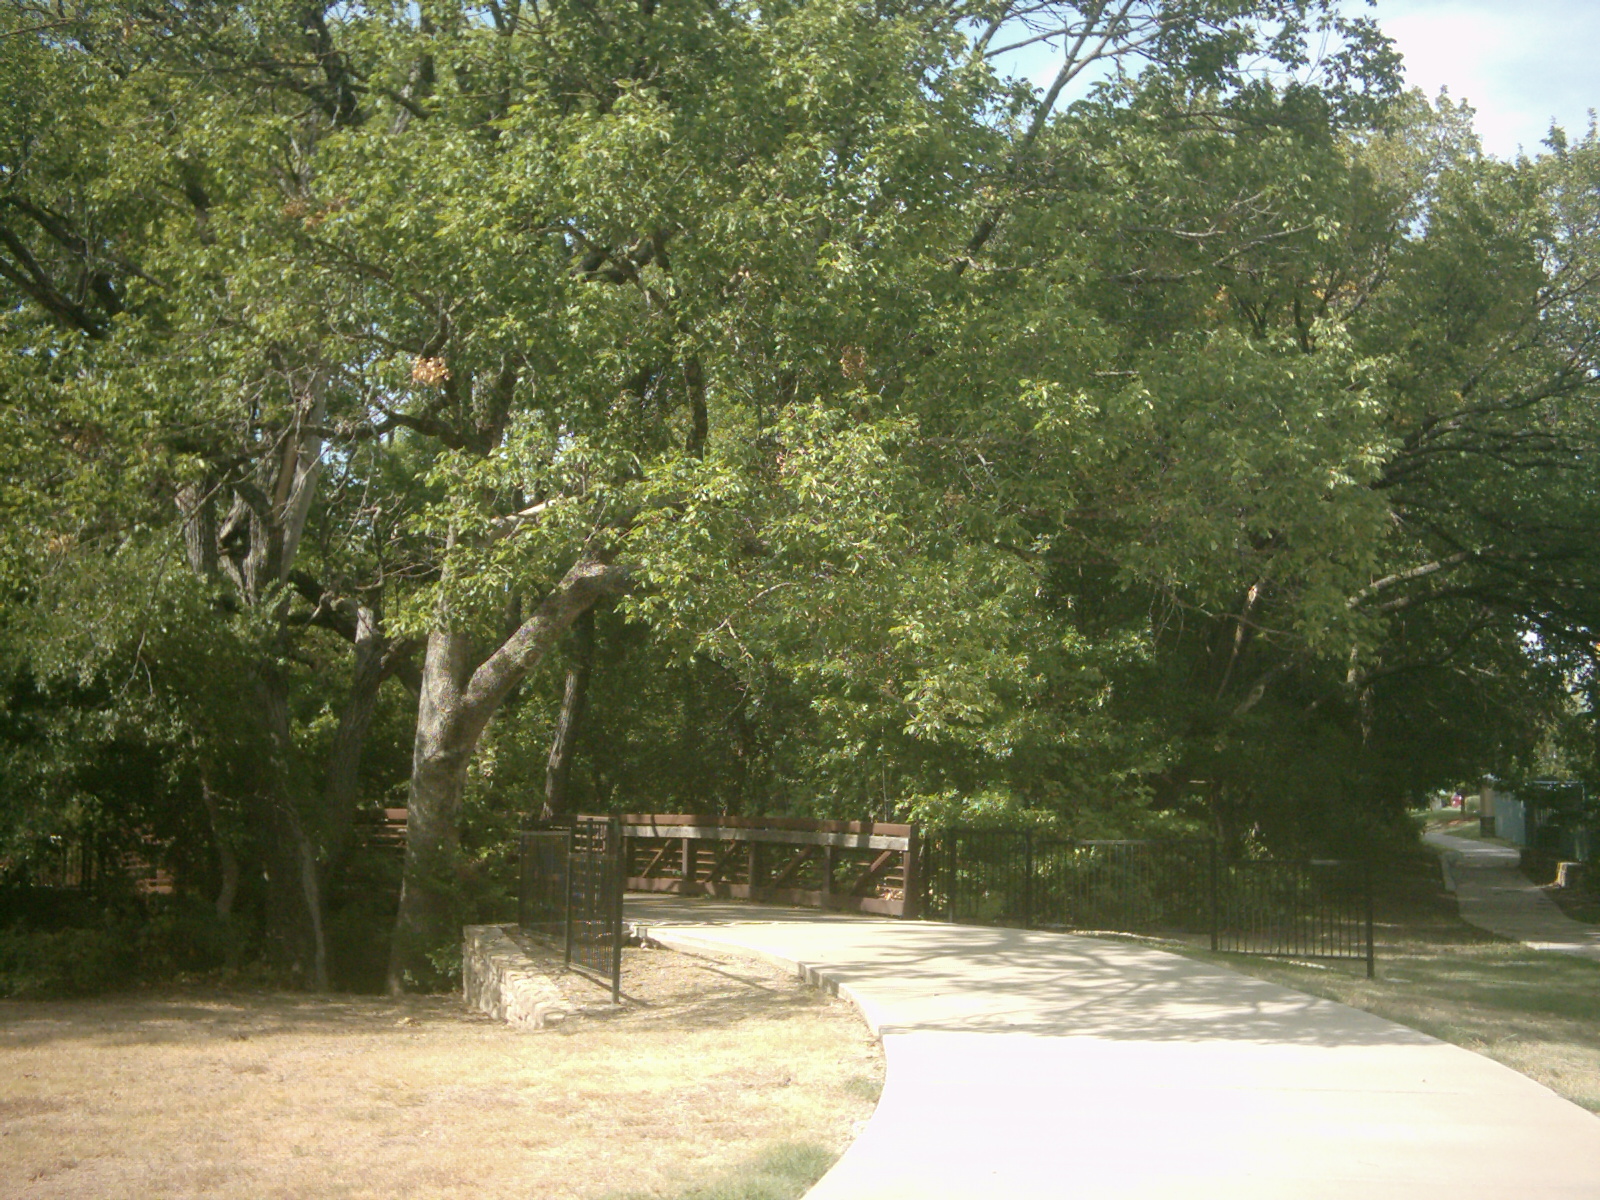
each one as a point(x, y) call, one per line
point(502, 979)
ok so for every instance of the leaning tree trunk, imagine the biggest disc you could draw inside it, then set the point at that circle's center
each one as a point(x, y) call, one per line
point(574, 701)
point(459, 698)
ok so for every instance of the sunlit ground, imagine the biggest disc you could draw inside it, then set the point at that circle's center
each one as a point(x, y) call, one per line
point(719, 1074)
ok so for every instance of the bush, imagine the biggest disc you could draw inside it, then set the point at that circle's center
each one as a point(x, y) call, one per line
point(157, 941)
point(37, 964)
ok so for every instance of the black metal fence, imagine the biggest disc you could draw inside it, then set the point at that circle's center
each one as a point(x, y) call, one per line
point(542, 886)
point(569, 893)
point(1299, 909)
point(1320, 908)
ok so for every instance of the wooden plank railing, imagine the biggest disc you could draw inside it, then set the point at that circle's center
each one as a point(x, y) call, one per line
point(855, 866)
point(382, 829)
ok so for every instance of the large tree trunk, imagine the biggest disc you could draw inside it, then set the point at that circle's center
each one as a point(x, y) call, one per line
point(459, 698)
point(375, 660)
point(289, 858)
point(574, 701)
point(227, 861)
point(301, 825)
point(303, 831)
point(438, 778)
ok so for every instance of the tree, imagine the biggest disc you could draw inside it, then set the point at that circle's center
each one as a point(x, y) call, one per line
point(1268, 499)
point(520, 217)
point(136, 321)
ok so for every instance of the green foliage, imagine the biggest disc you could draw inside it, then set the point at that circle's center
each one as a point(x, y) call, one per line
point(1216, 451)
point(120, 946)
point(69, 962)
point(781, 1172)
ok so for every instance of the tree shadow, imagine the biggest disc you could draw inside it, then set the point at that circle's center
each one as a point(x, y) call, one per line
point(219, 1015)
point(910, 976)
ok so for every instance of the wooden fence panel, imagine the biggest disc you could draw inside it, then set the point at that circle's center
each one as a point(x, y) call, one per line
point(852, 866)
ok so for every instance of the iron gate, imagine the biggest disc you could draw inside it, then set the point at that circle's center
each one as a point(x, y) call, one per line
point(569, 893)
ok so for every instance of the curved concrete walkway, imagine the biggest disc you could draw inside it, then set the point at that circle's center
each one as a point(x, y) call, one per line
point(1024, 1064)
point(1494, 894)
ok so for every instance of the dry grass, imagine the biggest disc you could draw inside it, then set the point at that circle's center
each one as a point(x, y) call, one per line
point(711, 1065)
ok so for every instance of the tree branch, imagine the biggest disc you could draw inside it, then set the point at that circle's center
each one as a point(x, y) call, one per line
point(1420, 572)
point(588, 581)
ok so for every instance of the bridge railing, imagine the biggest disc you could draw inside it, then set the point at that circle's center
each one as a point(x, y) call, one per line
point(852, 866)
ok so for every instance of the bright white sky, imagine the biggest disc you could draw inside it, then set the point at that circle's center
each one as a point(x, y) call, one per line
point(1518, 62)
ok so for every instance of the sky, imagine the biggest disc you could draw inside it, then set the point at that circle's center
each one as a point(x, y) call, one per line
point(1520, 63)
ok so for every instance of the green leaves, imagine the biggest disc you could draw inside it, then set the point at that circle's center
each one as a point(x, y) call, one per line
point(998, 454)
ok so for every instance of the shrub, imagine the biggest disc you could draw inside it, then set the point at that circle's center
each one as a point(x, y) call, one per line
point(37, 964)
point(119, 946)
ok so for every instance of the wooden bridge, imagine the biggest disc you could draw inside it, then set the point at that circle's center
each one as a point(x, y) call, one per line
point(855, 866)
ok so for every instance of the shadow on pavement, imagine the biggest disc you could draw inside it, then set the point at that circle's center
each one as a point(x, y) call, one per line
point(922, 975)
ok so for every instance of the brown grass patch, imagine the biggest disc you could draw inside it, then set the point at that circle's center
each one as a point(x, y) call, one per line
point(212, 1094)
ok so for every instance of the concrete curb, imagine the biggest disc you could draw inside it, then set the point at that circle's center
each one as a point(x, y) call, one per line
point(676, 939)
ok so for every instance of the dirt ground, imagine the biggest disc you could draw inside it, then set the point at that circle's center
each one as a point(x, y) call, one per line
point(709, 1063)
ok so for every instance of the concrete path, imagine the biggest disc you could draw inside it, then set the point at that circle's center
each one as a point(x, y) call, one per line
point(1025, 1064)
point(1495, 895)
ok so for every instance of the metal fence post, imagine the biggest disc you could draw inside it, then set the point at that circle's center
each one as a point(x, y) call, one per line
point(566, 903)
point(1216, 913)
point(911, 876)
point(950, 876)
point(614, 836)
point(1372, 956)
point(1027, 879)
point(522, 879)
